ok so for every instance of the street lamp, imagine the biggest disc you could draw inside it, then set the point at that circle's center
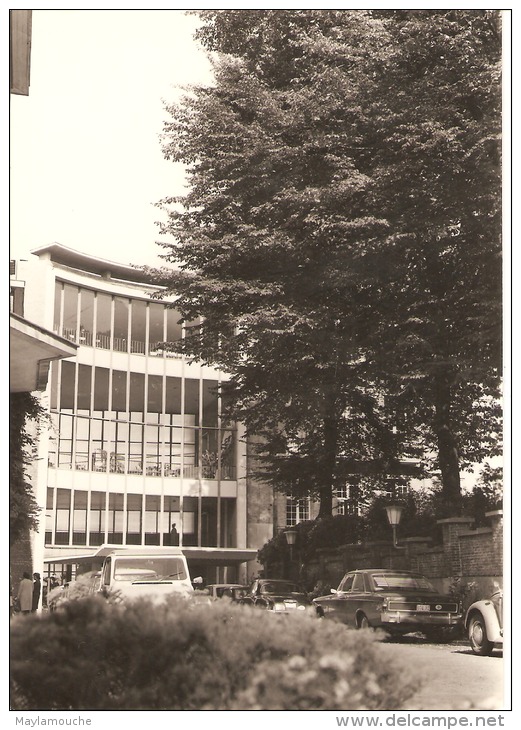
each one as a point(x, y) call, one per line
point(394, 515)
point(291, 538)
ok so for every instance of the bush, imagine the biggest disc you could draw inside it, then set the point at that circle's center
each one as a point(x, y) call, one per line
point(90, 655)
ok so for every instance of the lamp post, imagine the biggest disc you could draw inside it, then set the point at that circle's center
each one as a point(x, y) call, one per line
point(394, 515)
point(291, 538)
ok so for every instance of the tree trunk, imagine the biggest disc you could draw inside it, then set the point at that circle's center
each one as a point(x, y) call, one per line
point(448, 456)
point(329, 461)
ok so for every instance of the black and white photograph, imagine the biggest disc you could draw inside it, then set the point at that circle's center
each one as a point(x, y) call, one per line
point(260, 369)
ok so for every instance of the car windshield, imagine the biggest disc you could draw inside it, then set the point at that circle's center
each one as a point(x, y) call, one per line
point(402, 581)
point(149, 569)
point(280, 587)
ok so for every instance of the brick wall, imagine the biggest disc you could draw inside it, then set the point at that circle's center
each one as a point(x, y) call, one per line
point(470, 558)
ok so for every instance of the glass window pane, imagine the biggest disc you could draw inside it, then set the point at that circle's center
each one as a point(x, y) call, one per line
point(228, 521)
point(86, 317)
point(84, 387)
point(228, 459)
point(135, 449)
point(209, 453)
point(67, 385)
point(121, 311)
point(70, 311)
point(226, 402)
point(137, 392)
point(192, 398)
point(101, 389)
point(209, 522)
point(65, 441)
point(173, 395)
point(103, 315)
point(156, 333)
point(82, 442)
point(155, 393)
point(138, 326)
point(119, 390)
point(63, 510)
point(80, 499)
point(173, 325)
point(190, 453)
point(210, 415)
point(62, 520)
point(116, 518)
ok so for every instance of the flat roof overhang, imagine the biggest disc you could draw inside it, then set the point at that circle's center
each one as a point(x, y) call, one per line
point(92, 264)
point(222, 556)
point(31, 348)
point(225, 556)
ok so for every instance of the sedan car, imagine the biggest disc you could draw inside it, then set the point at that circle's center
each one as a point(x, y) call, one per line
point(277, 595)
point(233, 591)
point(398, 601)
point(484, 624)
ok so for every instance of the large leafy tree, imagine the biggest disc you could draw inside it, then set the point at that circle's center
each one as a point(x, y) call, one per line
point(24, 409)
point(340, 234)
point(442, 153)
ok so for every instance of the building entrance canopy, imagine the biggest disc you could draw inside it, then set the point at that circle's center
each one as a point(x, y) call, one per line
point(216, 556)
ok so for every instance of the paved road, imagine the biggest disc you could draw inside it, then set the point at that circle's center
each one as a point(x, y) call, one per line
point(454, 677)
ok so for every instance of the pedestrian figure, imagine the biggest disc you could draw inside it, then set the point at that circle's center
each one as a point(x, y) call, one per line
point(37, 589)
point(174, 535)
point(25, 593)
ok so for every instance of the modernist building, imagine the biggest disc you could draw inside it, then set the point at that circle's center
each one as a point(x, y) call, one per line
point(136, 442)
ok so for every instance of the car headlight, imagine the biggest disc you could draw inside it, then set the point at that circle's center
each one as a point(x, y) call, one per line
point(279, 607)
point(301, 607)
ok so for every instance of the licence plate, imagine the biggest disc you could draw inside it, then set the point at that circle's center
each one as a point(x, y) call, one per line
point(423, 607)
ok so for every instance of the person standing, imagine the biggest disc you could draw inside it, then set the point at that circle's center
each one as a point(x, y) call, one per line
point(174, 535)
point(37, 589)
point(25, 593)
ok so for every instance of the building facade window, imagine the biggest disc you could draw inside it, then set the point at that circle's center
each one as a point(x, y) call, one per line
point(297, 510)
point(125, 522)
point(146, 427)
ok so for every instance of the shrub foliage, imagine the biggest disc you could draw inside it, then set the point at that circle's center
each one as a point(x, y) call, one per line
point(23, 509)
point(179, 656)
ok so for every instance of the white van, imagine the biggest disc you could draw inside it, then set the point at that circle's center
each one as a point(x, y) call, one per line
point(147, 572)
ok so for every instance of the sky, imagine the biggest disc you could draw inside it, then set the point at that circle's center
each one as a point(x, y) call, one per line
point(86, 165)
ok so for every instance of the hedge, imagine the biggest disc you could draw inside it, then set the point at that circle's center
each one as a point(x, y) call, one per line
point(93, 655)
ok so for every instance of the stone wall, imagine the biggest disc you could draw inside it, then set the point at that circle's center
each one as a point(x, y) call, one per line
point(468, 560)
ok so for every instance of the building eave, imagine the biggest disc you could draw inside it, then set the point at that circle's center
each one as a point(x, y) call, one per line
point(60, 254)
point(31, 348)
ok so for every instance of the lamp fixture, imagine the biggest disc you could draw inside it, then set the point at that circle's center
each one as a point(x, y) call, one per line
point(291, 537)
point(394, 515)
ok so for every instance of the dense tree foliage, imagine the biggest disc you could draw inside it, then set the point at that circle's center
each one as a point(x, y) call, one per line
point(23, 509)
point(341, 236)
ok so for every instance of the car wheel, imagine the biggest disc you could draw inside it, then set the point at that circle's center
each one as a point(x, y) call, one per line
point(478, 636)
point(362, 622)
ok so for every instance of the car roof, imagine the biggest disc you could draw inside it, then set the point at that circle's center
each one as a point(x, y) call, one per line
point(276, 580)
point(379, 571)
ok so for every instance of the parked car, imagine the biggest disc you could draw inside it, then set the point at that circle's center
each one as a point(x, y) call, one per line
point(153, 573)
point(484, 624)
point(280, 596)
point(233, 591)
point(398, 601)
